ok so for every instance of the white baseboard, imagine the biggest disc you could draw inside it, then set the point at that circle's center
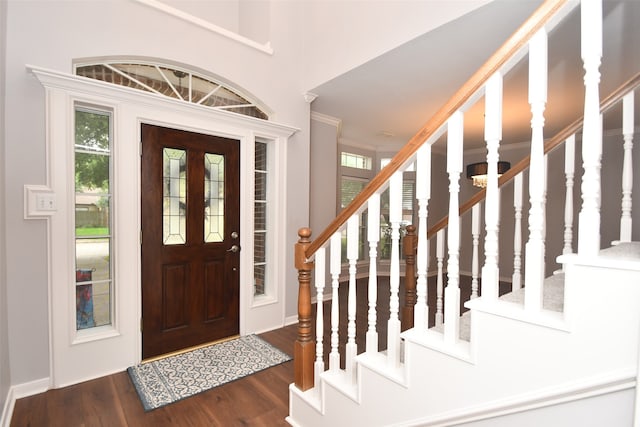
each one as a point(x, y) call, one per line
point(7, 411)
point(19, 391)
point(31, 388)
point(290, 320)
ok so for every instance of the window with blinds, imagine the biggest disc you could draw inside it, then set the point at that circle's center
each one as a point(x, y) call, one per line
point(408, 210)
point(356, 170)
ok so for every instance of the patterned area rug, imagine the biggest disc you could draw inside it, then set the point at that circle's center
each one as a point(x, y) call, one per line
point(176, 377)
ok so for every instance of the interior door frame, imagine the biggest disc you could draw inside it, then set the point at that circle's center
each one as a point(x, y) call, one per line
point(115, 348)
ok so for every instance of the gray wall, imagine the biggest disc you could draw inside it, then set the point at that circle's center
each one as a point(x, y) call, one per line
point(5, 380)
point(324, 175)
point(126, 28)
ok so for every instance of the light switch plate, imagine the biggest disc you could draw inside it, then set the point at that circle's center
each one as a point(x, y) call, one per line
point(39, 201)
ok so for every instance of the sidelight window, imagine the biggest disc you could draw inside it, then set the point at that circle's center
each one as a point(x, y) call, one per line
point(260, 219)
point(93, 222)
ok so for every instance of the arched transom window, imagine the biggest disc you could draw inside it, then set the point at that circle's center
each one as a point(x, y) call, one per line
point(172, 82)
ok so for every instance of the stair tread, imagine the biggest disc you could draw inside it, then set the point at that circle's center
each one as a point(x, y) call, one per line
point(623, 250)
point(553, 300)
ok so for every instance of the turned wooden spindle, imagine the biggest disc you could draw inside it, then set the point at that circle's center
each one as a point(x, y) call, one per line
point(304, 347)
point(409, 245)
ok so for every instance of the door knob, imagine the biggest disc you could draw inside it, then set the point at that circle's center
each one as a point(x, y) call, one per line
point(234, 249)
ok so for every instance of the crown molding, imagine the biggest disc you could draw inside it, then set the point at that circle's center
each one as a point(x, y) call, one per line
point(327, 120)
point(309, 97)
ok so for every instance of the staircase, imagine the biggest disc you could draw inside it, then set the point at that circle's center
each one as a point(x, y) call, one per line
point(562, 347)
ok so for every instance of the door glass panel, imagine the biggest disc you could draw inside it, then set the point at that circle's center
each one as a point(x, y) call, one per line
point(213, 198)
point(174, 224)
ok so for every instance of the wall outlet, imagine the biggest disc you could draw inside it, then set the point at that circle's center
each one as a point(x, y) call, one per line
point(39, 201)
point(46, 201)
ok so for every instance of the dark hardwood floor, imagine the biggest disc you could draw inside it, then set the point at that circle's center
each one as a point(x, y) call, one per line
point(261, 399)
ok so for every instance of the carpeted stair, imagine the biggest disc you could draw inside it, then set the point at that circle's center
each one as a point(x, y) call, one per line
point(553, 287)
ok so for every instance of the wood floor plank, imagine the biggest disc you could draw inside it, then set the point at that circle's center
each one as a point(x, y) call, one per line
point(261, 399)
point(100, 403)
point(66, 406)
point(30, 411)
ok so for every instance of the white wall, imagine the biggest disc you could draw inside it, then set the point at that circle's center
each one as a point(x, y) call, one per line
point(343, 34)
point(224, 13)
point(51, 35)
point(248, 18)
point(252, 22)
point(5, 380)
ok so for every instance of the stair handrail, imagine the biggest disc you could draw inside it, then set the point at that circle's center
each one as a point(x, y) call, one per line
point(543, 15)
point(306, 248)
point(549, 146)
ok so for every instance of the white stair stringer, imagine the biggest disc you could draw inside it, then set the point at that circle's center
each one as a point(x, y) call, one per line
point(515, 360)
point(318, 407)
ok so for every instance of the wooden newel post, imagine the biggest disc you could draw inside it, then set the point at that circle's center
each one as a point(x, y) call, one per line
point(304, 347)
point(409, 245)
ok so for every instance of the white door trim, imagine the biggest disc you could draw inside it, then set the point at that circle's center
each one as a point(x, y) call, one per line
point(114, 348)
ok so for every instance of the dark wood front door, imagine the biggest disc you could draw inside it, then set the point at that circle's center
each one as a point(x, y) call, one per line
point(190, 239)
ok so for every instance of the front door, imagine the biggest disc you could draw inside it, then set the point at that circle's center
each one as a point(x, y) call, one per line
point(190, 206)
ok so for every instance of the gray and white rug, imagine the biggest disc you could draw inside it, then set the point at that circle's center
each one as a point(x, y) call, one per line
point(176, 377)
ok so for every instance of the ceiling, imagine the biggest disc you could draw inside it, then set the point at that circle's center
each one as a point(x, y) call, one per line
point(384, 102)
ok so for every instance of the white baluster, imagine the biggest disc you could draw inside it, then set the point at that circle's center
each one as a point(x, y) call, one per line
point(534, 249)
point(351, 349)
point(440, 280)
point(373, 236)
point(627, 168)
point(454, 168)
point(334, 268)
point(545, 168)
point(423, 193)
point(591, 49)
point(516, 278)
point(319, 270)
point(492, 135)
point(475, 237)
point(395, 217)
point(569, 171)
